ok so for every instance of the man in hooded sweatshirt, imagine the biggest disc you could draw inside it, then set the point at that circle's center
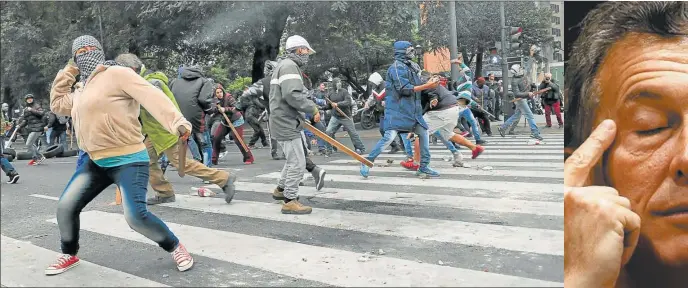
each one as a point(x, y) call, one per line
point(161, 142)
point(520, 86)
point(105, 114)
point(340, 98)
point(403, 109)
point(288, 104)
point(194, 94)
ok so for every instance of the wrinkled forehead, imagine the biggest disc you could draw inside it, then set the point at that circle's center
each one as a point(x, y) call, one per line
point(638, 62)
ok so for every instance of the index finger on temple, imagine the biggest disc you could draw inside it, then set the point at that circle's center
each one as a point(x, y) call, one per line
point(578, 166)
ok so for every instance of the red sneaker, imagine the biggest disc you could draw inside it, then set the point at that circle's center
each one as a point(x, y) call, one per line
point(32, 163)
point(408, 164)
point(249, 161)
point(182, 258)
point(464, 133)
point(478, 150)
point(64, 263)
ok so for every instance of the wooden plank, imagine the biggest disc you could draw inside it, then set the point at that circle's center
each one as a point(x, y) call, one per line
point(340, 146)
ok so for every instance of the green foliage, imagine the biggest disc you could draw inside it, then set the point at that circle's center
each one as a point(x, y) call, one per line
point(238, 85)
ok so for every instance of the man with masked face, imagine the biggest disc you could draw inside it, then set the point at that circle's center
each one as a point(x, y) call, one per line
point(105, 113)
point(496, 95)
point(520, 87)
point(288, 104)
point(340, 98)
point(551, 100)
point(403, 109)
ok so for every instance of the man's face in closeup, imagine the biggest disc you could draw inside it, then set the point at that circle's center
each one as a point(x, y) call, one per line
point(643, 84)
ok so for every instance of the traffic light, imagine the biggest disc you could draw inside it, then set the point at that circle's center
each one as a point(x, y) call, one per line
point(514, 34)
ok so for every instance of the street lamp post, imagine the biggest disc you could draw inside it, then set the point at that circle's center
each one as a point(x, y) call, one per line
point(419, 55)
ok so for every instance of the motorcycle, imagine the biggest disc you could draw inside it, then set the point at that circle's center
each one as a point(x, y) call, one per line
point(368, 118)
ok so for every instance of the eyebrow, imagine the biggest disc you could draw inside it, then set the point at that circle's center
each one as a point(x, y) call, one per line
point(642, 95)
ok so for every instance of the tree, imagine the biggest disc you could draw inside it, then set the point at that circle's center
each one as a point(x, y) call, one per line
point(478, 26)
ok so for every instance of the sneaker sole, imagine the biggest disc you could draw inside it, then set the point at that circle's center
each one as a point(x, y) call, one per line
point(14, 180)
point(231, 189)
point(186, 267)
point(278, 197)
point(320, 182)
point(53, 272)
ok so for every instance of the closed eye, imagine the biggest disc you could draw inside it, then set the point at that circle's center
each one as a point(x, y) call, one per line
point(652, 131)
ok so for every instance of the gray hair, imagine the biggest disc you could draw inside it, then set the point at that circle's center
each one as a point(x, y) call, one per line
point(603, 27)
point(129, 60)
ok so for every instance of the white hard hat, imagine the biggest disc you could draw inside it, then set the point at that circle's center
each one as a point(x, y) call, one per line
point(376, 78)
point(297, 41)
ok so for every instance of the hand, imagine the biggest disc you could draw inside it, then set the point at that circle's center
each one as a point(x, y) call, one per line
point(433, 102)
point(383, 103)
point(600, 230)
point(183, 133)
point(530, 94)
point(316, 118)
point(221, 109)
point(45, 128)
point(71, 68)
point(410, 136)
point(314, 142)
point(334, 105)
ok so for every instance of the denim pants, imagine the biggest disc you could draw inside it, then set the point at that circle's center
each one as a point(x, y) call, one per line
point(446, 142)
point(32, 144)
point(88, 181)
point(468, 115)
point(390, 135)
point(522, 108)
point(4, 163)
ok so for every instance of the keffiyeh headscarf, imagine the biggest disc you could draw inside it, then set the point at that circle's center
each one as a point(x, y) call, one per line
point(88, 61)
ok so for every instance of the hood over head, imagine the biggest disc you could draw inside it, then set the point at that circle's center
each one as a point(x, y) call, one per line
point(192, 72)
point(269, 67)
point(400, 48)
point(159, 76)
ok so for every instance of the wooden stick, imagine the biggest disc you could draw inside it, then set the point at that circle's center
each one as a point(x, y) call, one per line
point(339, 146)
point(118, 197)
point(231, 126)
point(338, 110)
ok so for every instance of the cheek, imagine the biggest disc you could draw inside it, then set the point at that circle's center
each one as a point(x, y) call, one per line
point(636, 173)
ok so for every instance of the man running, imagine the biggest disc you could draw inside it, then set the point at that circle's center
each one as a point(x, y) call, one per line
point(519, 85)
point(403, 110)
point(106, 121)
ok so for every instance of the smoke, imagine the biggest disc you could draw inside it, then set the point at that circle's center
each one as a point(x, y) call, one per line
point(237, 26)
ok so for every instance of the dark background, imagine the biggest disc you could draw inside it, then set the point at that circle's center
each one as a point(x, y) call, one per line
point(574, 12)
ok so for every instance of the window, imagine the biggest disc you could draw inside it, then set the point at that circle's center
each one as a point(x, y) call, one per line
point(556, 32)
point(556, 20)
point(557, 44)
point(555, 8)
point(557, 57)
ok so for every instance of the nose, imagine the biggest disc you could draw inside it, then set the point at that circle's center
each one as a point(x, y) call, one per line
point(679, 166)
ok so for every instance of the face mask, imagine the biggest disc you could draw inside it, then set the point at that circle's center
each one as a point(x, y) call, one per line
point(410, 53)
point(88, 61)
point(338, 85)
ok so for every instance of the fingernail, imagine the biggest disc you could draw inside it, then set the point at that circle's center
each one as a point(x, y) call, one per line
point(607, 124)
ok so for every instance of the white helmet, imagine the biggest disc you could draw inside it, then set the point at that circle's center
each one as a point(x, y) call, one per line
point(375, 78)
point(516, 70)
point(297, 41)
point(5, 107)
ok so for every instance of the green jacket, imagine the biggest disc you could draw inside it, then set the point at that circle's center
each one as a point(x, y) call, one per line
point(161, 138)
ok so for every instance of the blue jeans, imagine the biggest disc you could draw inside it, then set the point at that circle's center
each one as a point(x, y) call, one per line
point(522, 108)
point(468, 115)
point(390, 135)
point(83, 158)
point(6, 166)
point(88, 181)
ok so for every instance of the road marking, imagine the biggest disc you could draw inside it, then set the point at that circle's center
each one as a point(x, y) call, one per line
point(326, 265)
point(501, 186)
point(456, 171)
point(45, 197)
point(512, 147)
point(486, 155)
point(23, 265)
point(432, 200)
point(478, 162)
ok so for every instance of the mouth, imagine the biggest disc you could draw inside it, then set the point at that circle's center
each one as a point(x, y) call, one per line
point(681, 210)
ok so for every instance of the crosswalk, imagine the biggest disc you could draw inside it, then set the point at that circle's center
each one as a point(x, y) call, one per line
point(497, 223)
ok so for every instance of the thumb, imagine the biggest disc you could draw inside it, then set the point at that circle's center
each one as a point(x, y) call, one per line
point(578, 166)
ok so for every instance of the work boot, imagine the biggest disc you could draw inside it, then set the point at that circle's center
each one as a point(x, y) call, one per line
point(229, 188)
point(295, 207)
point(278, 194)
point(155, 200)
point(319, 177)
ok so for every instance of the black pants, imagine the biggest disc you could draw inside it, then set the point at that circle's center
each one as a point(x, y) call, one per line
point(485, 123)
point(258, 132)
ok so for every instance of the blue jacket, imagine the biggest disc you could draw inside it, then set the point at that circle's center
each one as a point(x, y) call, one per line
point(403, 110)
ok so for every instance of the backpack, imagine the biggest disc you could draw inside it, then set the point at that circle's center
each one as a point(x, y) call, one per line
point(63, 119)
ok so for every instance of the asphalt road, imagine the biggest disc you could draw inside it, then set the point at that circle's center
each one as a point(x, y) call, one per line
point(497, 223)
